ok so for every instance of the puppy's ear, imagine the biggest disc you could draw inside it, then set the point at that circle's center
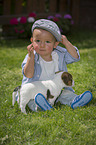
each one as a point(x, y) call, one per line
point(67, 78)
point(64, 77)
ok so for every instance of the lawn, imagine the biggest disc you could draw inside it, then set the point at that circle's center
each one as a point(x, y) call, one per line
point(61, 126)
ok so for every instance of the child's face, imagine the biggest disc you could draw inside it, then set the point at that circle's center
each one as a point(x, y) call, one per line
point(43, 43)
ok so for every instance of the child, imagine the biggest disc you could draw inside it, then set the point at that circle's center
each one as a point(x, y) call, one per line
point(45, 57)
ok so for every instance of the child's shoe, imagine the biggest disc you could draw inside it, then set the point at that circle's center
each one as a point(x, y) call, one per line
point(41, 101)
point(82, 99)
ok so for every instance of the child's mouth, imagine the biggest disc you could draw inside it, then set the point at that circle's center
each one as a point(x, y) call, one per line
point(41, 50)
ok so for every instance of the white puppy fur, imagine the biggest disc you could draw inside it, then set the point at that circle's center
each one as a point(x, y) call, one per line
point(29, 90)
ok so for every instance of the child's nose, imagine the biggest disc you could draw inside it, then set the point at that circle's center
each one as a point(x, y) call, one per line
point(42, 44)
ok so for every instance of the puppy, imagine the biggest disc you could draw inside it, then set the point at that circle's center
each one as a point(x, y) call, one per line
point(53, 87)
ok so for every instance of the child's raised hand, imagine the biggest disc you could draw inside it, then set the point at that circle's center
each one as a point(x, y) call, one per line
point(64, 40)
point(70, 48)
point(30, 50)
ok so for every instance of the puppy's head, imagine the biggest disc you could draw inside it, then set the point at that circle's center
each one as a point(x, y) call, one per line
point(67, 78)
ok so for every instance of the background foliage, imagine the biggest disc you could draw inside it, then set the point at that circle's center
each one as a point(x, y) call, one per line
point(21, 27)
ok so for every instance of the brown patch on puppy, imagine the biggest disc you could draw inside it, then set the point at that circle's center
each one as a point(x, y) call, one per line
point(49, 96)
point(67, 78)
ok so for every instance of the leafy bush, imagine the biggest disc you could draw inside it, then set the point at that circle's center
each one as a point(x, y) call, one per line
point(22, 25)
point(64, 22)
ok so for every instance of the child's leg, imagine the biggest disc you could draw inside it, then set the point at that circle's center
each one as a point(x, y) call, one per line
point(70, 98)
point(40, 103)
point(66, 97)
point(32, 105)
point(82, 99)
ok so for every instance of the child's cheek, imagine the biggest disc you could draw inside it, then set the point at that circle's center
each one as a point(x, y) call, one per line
point(36, 48)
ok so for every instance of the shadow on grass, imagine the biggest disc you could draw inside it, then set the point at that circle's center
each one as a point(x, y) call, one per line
point(14, 43)
point(83, 38)
point(79, 37)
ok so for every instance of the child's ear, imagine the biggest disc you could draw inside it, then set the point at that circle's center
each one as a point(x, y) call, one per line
point(56, 44)
point(31, 39)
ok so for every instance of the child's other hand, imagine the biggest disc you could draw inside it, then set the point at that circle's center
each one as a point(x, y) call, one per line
point(30, 50)
point(64, 40)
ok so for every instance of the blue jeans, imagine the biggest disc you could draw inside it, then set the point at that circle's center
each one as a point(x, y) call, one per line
point(66, 97)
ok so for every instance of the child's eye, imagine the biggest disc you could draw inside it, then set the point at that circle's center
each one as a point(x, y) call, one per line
point(47, 41)
point(37, 40)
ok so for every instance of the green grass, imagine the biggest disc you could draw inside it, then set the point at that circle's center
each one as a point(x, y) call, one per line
point(61, 126)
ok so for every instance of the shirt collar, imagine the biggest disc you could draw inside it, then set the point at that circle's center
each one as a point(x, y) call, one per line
point(36, 57)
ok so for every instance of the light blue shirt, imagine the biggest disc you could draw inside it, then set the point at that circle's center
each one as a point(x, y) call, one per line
point(64, 59)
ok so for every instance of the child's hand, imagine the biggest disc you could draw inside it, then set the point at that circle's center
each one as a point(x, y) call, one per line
point(30, 50)
point(64, 40)
point(70, 48)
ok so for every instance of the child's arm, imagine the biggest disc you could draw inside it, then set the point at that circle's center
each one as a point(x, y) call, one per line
point(70, 48)
point(29, 66)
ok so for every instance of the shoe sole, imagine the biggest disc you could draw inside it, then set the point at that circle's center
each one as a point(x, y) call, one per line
point(41, 101)
point(83, 100)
